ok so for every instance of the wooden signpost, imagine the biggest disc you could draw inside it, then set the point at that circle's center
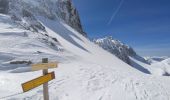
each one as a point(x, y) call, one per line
point(44, 66)
point(37, 81)
point(36, 67)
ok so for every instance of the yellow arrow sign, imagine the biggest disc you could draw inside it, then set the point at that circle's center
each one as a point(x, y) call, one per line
point(41, 66)
point(38, 81)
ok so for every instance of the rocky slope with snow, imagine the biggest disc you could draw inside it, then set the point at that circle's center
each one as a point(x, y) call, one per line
point(148, 65)
point(118, 48)
point(25, 12)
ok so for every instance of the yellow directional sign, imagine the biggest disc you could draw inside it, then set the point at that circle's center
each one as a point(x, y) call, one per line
point(38, 81)
point(41, 66)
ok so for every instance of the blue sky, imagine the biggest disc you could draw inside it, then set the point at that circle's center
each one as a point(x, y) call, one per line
point(142, 24)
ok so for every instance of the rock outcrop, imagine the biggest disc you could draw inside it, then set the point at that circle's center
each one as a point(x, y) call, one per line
point(26, 12)
point(118, 49)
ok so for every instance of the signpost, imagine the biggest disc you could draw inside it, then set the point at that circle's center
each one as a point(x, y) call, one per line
point(36, 67)
point(44, 66)
point(45, 85)
point(37, 81)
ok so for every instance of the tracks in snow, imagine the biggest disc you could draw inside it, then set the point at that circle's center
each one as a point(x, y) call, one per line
point(96, 82)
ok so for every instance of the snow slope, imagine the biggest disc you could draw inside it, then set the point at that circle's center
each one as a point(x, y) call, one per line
point(162, 67)
point(159, 68)
point(152, 60)
point(85, 72)
point(18, 44)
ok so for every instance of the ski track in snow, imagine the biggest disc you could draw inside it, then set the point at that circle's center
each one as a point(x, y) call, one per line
point(98, 83)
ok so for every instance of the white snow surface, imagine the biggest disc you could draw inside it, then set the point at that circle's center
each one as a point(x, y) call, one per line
point(163, 67)
point(158, 68)
point(155, 59)
point(85, 72)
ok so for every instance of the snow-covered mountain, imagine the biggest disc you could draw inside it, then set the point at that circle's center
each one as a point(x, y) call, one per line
point(163, 67)
point(118, 48)
point(148, 65)
point(25, 11)
point(85, 71)
point(155, 59)
point(160, 68)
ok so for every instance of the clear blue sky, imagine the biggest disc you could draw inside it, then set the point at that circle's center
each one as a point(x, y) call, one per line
point(142, 24)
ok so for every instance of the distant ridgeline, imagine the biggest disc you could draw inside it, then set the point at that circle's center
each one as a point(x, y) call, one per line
point(27, 10)
point(118, 48)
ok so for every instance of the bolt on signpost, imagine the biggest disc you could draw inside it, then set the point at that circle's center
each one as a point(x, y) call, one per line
point(44, 66)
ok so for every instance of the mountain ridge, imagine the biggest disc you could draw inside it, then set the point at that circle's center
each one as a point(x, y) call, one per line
point(118, 48)
point(25, 12)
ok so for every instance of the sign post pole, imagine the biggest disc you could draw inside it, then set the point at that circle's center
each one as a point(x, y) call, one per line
point(42, 80)
point(45, 85)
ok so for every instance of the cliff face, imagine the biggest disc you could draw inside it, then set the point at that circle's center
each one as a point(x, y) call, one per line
point(3, 6)
point(68, 12)
point(26, 12)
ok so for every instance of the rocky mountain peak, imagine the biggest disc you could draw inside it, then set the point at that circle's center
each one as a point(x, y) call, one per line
point(116, 47)
point(52, 9)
